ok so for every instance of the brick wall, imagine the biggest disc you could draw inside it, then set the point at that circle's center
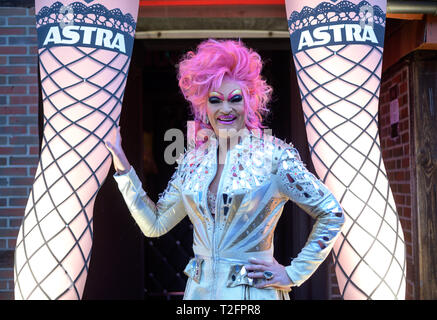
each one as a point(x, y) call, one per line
point(19, 142)
point(397, 155)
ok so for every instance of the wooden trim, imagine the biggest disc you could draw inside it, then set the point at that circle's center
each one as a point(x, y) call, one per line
point(402, 40)
point(236, 11)
point(149, 3)
point(204, 34)
point(405, 16)
point(425, 140)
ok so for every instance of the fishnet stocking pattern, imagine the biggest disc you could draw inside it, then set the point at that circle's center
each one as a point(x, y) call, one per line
point(340, 93)
point(349, 106)
point(81, 107)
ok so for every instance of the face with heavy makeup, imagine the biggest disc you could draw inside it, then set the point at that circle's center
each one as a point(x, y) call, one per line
point(225, 108)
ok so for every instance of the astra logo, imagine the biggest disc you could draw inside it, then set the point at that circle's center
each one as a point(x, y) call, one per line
point(336, 33)
point(86, 35)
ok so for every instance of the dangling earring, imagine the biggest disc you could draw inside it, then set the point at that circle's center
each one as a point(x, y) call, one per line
point(207, 120)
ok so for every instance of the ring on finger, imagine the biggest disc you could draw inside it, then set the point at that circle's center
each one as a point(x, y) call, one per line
point(268, 275)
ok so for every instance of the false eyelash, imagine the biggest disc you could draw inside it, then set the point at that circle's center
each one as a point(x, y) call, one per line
point(236, 98)
point(214, 100)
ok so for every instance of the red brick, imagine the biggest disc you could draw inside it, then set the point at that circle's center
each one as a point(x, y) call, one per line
point(385, 85)
point(397, 78)
point(16, 212)
point(390, 165)
point(399, 199)
point(13, 50)
point(33, 130)
point(3, 244)
point(404, 113)
point(18, 202)
point(12, 31)
point(23, 140)
point(12, 171)
point(23, 99)
point(405, 163)
point(23, 120)
point(32, 70)
point(21, 181)
point(12, 243)
point(12, 90)
point(407, 236)
point(15, 222)
point(404, 100)
point(13, 110)
point(29, 59)
point(12, 70)
point(8, 233)
point(409, 250)
point(34, 150)
point(23, 21)
point(32, 171)
point(399, 176)
point(26, 160)
point(33, 89)
point(12, 130)
point(7, 274)
point(405, 222)
point(7, 295)
point(31, 30)
point(33, 110)
point(11, 150)
point(397, 152)
point(13, 191)
point(3, 284)
point(22, 79)
point(2, 60)
point(33, 50)
point(403, 87)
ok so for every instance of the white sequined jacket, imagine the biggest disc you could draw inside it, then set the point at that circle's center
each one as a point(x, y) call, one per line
point(259, 176)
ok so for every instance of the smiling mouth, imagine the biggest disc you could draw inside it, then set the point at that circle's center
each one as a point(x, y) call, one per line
point(226, 119)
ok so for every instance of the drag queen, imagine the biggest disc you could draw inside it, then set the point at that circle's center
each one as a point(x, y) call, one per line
point(233, 184)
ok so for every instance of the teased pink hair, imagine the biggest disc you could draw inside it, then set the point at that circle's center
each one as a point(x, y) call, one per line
point(203, 71)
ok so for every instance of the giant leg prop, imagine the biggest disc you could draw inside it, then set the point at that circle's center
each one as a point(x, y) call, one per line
point(84, 56)
point(337, 49)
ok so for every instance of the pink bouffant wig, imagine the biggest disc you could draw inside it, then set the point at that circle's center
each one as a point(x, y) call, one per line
point(203, 71)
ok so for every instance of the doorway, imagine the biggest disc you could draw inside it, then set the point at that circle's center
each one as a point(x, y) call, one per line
point(124, 263)
point(164, 107)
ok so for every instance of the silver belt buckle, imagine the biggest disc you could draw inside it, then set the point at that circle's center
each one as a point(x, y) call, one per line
point(238, 276)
